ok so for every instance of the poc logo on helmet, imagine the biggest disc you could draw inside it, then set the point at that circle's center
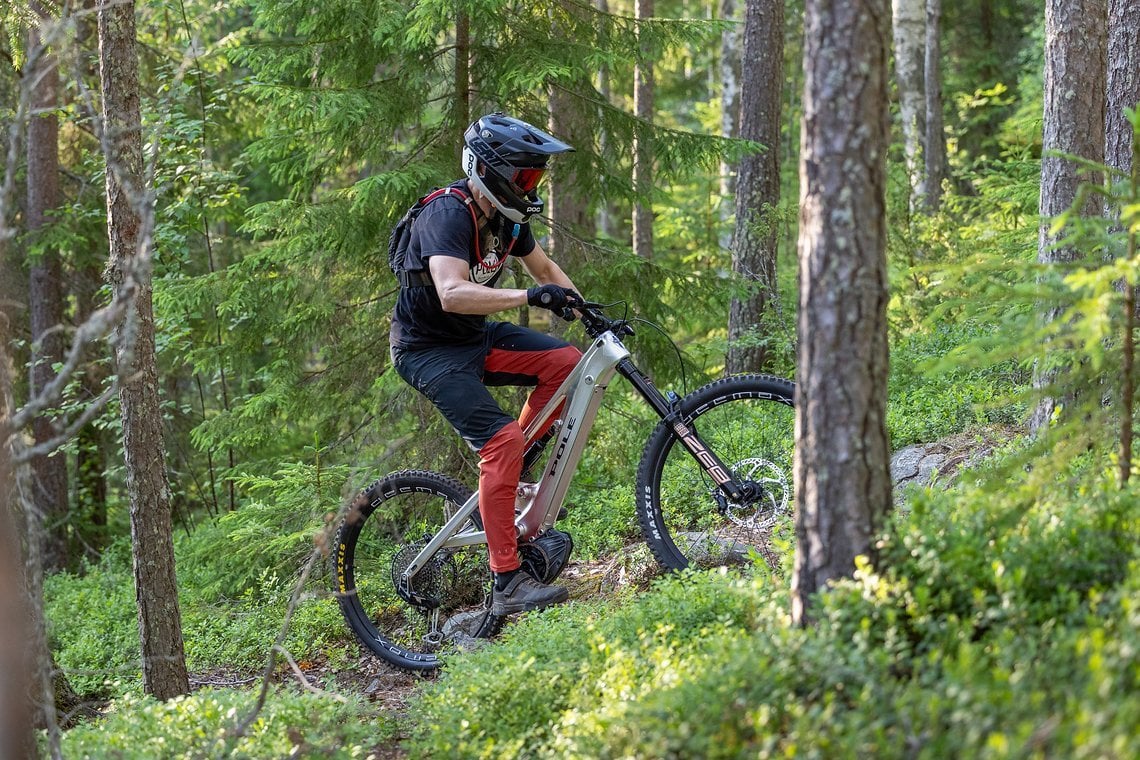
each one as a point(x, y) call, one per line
point(533, 209)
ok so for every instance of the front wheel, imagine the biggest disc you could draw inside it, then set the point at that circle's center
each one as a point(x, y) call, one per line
point(445, 606)
point(748, 421)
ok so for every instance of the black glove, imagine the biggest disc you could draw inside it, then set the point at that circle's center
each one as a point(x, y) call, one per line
point(554, 297)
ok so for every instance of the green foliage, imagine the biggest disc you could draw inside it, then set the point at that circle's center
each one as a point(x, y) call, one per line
point(236, 577)
point(932, 398)
point(985, 629)
point(271, 535)
point(569, 657)
point(201, 725)
point(93, 623)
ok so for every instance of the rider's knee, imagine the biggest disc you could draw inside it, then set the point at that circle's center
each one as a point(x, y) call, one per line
point(563, 360)
point(506, 444)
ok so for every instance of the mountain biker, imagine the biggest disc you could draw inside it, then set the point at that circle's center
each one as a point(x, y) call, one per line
point(444, 346)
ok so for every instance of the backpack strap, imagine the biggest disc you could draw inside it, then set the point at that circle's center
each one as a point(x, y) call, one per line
point(422, 278)
point(469, 202)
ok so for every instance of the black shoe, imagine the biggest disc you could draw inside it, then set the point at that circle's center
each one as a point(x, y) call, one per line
point(523, 594)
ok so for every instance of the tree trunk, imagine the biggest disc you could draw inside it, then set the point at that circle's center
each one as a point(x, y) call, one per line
point(17, 735)
point(606, 213)
point(45, 293)
point(758, 187)
point(842, 475)
point(569, 212)
point(1123, 82)
point(1075, 52)
point(934, 145)
point(462, 81)
point(643, 141)
point(909, 40)
point(570, 112)
point(26, 694)
point(730, 94)
point(156, 591)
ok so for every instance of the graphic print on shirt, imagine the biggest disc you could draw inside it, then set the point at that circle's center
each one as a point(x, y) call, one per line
point(493, 259)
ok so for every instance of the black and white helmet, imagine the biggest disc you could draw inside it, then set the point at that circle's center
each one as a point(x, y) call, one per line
point(505, 159)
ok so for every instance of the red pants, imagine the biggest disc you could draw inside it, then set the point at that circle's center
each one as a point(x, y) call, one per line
point(455, 379)
point(500, 460)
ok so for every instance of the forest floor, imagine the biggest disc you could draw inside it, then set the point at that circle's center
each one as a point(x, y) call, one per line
point(390, 689)
point(628, 570)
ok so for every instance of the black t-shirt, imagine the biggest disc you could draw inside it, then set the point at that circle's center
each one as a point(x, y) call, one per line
point(445, 228)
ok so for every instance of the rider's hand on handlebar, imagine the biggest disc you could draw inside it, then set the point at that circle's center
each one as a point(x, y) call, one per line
point(556, 298)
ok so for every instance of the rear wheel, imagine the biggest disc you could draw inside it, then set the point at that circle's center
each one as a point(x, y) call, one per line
point(446, 605)
point(748, 421)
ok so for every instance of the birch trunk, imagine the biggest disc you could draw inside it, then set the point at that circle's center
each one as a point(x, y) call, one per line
point(910, 42)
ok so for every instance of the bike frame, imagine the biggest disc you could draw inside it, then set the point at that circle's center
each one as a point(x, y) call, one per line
point(580, 396)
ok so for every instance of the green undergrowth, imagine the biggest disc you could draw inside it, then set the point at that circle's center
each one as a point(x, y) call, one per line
point(236, 576)
point(996, 623)
point(929, 401)
point(202, 725)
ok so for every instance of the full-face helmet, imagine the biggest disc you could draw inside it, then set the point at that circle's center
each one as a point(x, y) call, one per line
point(505, 158)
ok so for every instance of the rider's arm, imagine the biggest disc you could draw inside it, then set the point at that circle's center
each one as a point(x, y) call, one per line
point(459, 295)
point(545, 270)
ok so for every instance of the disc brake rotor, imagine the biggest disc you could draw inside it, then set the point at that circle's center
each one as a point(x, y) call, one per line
point(770, 499)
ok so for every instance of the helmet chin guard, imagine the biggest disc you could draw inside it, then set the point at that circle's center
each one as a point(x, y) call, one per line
point(534, 205)
point(505, 159)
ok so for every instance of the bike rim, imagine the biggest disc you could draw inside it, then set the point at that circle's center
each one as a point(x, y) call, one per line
point(753, 434)
point(450, 598)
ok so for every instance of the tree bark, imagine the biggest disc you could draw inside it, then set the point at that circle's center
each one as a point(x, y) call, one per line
point(462, 81)
point(45, 291)
point(934, 144)
point(156, 591)
point(731, 85)
point(17, 734)
point(643, 140)
point(909, 44)
point(570, 118)
point(1075, 54)
point(1123, 81)
point(842, 475)
point(569, 212)
point(754, 244)
point(608, 217)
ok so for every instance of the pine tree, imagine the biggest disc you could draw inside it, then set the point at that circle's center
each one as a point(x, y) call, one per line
point(842, 475)
point(156, 589)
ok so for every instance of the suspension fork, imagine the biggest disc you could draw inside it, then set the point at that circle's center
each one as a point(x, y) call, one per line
point(670, 412)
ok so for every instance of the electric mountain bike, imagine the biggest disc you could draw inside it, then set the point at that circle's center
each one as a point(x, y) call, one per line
point(411, 571)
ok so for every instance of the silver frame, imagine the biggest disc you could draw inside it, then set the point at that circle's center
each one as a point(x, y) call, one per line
point(582, 392)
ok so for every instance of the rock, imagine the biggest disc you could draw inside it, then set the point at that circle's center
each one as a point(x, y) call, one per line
point(939, 462)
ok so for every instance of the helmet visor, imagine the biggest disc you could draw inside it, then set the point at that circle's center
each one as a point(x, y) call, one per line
point(527, 180)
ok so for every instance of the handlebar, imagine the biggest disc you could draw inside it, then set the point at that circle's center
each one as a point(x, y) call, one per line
point(595, 322)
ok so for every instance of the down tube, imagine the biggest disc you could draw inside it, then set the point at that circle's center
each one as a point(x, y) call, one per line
point(585, 388)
